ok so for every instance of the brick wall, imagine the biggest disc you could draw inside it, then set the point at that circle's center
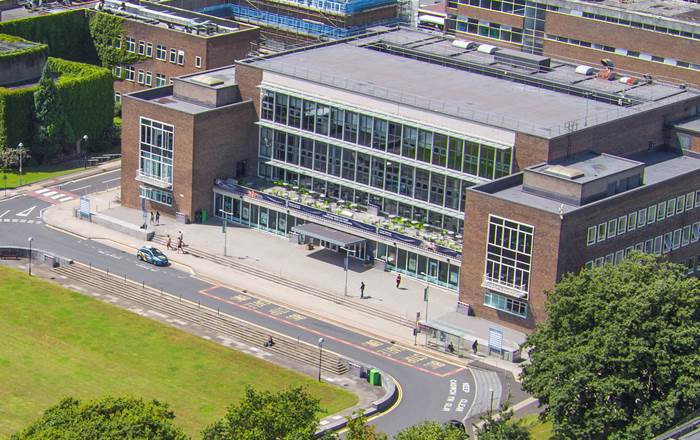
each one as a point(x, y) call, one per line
point(222, 138)
point(132, 110)
point(618, 36)
point(488, 15)
point(544, 256)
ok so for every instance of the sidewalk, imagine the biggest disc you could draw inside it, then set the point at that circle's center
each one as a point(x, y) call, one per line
point(320, 268)
point(88, 172)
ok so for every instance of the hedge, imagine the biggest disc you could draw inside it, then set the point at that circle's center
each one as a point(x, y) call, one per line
point(36, 50)
point(88, 100)
point(66, 33)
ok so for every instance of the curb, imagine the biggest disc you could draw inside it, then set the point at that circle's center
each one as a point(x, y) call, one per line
point(392, 396)
point(62, 179)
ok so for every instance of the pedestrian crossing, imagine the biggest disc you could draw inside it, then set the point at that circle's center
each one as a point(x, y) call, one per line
point(52, 195)
point(20, 220)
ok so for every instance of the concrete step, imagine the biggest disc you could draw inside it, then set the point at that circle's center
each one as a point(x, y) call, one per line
point(212, 319)
point(229, 262)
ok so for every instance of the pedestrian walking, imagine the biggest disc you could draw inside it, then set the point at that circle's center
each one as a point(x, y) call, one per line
point(475, 346)
point(398, 280)
point(152, 217)
point(157, 218)
point(167, 245)
point(179, 245)
point(362, 290)
point(179, 235)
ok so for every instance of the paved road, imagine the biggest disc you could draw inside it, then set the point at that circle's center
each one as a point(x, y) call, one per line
point(432, 389)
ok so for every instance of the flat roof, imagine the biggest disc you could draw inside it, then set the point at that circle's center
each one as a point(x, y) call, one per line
point(325, 233)
point(469, 84)
point(217, 78)
point(659, 167)
point(591, 167)
point(168, 17)
point(693, 126)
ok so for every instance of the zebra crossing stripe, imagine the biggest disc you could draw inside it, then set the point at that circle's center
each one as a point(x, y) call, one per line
point(41, 191)
point(50, 193)
point(57, 196)
point(65, 199)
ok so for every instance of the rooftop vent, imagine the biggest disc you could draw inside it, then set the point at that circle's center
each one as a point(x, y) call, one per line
point(464, 44)
point(208, 80)
point(564, 171)
point(487, 48)
point(585, 70)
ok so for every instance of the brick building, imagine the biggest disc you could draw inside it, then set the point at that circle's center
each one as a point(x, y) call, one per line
point(175, 42)
point(371, 146)
point(178, 138)
point(642, 37)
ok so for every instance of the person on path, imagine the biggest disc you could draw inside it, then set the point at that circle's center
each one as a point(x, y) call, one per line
point(152, 217)
point(475, 346)
point(157, 218)
point(398, 280)
point(179, 236)
point(179, 245)
point(167, 245)
point(362, 290)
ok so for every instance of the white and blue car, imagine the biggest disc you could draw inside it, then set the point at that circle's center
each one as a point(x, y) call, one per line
point(149, 254)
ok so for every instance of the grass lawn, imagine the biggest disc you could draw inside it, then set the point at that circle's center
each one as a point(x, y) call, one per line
point(539, 430)
point(34, 174)
point(58, 343)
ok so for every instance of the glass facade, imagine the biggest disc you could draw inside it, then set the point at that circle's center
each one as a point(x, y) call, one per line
point(509, 254)
point(410, 171)
point(156, 150)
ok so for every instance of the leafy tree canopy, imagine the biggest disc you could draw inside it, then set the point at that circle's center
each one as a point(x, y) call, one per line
point(359, 429)
point(106, 419)
point(287, 415)
point(501, 426)
point(432, 431)
point(619, 356)
point(52, 127)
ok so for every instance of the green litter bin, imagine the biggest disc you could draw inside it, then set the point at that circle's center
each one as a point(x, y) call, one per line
point(204, 215)
point(375, 377)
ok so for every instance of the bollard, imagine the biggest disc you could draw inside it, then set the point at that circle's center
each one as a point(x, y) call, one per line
point(161, 291)
point(198, 304)
point(90, 266)
point(108, 271)
point(217, 311)
point(143, 286)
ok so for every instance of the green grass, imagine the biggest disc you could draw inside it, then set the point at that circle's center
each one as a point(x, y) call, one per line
point(539, 430)
point(58, 343)
point(34, 174)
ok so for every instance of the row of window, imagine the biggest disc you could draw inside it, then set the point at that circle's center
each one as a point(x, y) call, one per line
point(625, 52)
point(142, 77)
point(157, 195)
point(661, 244)
point(517, 7)
point(362, 168)
point(365, 198)
point(156, 150)
point(489, 30)
point(505, 303)
point(509, 253)
point(425, 146)
point(143, 48)
point(640, 218)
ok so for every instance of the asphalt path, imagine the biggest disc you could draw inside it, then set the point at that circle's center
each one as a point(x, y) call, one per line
point(432, 389)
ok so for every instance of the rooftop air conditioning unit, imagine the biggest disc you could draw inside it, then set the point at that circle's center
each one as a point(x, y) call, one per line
point(585, 70)
point(462, 44)
point(487, 48)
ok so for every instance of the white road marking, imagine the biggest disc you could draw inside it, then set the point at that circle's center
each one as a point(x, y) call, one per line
point(3, 214)
point(57, 196)
point(65, 199)
point(111, 180)
point(50, 193)
point(41, 191)
point(41, 213)
point(82, 187)
point(24, 220)
point(14, 220)
point(26, 212)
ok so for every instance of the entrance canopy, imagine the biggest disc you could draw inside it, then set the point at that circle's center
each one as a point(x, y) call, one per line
point(325, 233)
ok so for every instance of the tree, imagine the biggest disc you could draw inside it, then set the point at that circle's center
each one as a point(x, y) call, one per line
point(106, 419)
point(501, 426)
point(287, 415)
point(619, 356)
point(359, 429)
point(52, 129)
point(432, 431)
point(10, 157)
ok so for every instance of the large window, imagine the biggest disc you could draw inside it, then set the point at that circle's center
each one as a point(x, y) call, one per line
point(505, 304)
point(157, 195)
point(156, 150)
point(509, 253)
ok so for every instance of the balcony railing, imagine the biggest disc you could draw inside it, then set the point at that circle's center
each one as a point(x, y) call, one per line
point(512, 289)
point(153, 180)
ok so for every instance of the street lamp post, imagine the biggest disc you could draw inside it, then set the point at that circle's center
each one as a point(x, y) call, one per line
point(346, 262)
point(224, 226)
point(30, 255)
point(426, 299)
point(21, 150)
point(320, 356)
